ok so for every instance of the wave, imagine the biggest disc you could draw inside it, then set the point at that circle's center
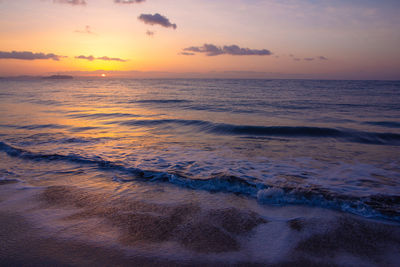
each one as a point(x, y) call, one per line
point(215, 108)
point(165, 121)
point(46, 102)
point(282, 131)
point(35, 126)
point(378, 206)
point(161, 101)
point(377, 138)
point(101, 115)
point(50, 126)
point(83, 129)
point(389, 124)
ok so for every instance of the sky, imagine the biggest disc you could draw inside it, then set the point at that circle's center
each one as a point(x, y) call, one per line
point(316, 39)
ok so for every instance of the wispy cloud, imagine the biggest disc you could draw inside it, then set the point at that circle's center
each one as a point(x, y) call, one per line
point(186, 53)
point(234, 50)
point(71, 2)
point(92, 58)
point(128, 1)
point(149, 33)
point(112, 59)
point(157, 19)
point(86, 30)
point(322, 58)
point(26, 55)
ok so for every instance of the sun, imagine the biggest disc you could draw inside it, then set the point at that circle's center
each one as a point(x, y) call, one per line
point(103, 75)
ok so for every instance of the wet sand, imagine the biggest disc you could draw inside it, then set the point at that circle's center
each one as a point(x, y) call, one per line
point(22, 246)
point(121, 230)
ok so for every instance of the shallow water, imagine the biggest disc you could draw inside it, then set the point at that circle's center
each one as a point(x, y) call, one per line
point(324, 143)
point(265, 150)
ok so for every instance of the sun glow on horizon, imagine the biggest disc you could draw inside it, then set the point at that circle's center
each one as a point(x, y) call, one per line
point(103, 75)
point(326, 41)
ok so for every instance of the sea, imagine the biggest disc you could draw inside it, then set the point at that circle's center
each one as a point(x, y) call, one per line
point(221, 166)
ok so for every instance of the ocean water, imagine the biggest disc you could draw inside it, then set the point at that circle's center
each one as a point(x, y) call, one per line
point(285, 145)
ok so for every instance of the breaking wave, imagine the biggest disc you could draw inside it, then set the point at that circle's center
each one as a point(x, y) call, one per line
point(379, 206)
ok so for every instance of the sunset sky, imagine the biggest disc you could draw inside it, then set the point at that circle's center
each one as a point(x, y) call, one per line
point(343, 39)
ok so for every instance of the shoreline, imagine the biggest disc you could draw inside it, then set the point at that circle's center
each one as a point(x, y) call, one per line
point(65, 225)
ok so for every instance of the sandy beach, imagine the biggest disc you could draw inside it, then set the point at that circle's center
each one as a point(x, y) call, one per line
point(65, 225)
